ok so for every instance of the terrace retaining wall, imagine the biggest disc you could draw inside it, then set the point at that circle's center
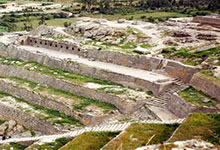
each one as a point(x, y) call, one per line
point(179, 106)
point(204, 84)
point(79, 68)
point(14, 71)
point(173, 68)
point(180, 71)
point(136, 61)
point(208, 21)
point(27, 120)
point(38, 99)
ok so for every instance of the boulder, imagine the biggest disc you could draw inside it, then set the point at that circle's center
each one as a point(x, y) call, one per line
point(121, 20)
point(216, 72)
point(11, 125)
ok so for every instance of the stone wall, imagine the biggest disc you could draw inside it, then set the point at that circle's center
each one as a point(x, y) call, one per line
point(83, 69)
point(38, 99)
point(208, 21)
point(27, 120)
point(14, 71)
point(33, 97)
point(174, 69)
point(178, 106)
point(180, 71)
point(136, 61)
point(206, 85)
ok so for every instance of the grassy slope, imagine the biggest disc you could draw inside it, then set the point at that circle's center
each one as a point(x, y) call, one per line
point(138, 135)
point(196, 97)
point(200, 126)
point(90, 141)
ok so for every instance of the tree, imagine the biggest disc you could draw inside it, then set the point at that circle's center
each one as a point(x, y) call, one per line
point(27, 24)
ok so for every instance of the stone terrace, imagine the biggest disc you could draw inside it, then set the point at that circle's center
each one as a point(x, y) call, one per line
point(157, 80)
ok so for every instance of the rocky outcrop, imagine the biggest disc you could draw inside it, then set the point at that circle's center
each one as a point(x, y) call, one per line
point(96, 31)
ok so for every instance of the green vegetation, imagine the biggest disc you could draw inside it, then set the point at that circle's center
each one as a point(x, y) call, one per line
point(193, 58)
point(51, 146)
point(199, 126)
point(1, 121)
point(55, 116)
point(12, 146)
point(138, 135)
point(198, 98)
point(90, 141)
point(3, 29)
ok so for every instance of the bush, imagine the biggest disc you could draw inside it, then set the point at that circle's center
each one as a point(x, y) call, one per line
point(143, 17)
point(67, 24)
point(131, 18)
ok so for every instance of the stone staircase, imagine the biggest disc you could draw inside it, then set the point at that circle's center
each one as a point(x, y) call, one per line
point(178, 85)
point(157, 102)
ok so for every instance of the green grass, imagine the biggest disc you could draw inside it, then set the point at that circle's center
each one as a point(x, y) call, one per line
point(199, 126)
point(138, 135)
point(194, 58)
point(90, 141)
point(65, 119)
point(197, 97)
point(3, 29)
point(51, 146)
point(129, 45)
point(138, 14)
